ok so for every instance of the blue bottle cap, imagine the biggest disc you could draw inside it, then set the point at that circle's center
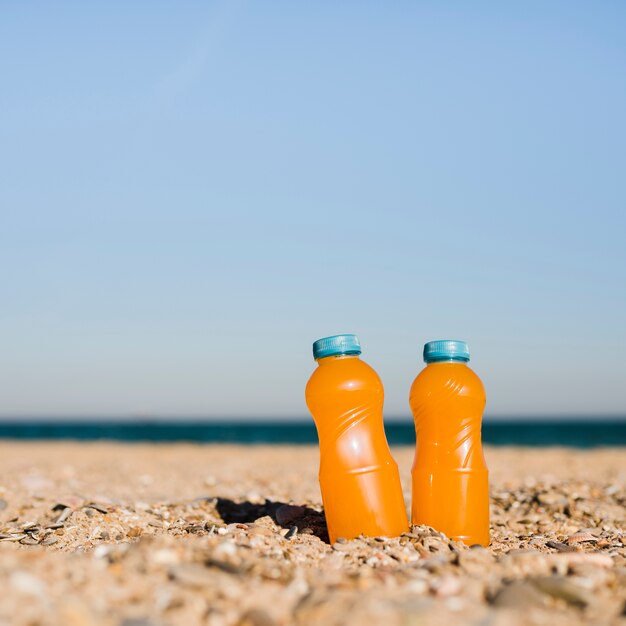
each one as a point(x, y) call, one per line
point(446, 350)
point(337, 344)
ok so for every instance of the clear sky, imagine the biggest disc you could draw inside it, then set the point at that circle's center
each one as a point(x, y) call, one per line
point(191, 193)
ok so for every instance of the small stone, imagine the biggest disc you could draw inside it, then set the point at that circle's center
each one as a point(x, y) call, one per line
point(553, 499)
point(434, 563)
point(344, 547)
point(253, 529)
point(520, 594)
point(561, 547)
point(3, 504)
point(192, 575)
point(561, 587)
point(48, 541)
point(575, 558)
point(287, 514)
point(291, 532)
point(135, 531)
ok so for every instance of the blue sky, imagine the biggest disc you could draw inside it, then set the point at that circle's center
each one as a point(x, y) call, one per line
point(191, 194)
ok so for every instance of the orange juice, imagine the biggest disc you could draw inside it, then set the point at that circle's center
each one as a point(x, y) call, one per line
point(450, 480)
point(359, 479)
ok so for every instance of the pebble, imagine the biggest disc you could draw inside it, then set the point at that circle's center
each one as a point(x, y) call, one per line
point(348, 546)
point(3, 504)
point(553, 499)
point(48, 541)
point(561, 587)
point(263, 531)
point(594, 558)
point(561, 547)
point(434, 563)
point(519, 594)
point(287, 514)
point(291, 532)
point(192, 575)
point(224, 566)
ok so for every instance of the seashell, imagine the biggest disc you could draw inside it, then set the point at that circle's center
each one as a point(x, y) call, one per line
point(581, 537)
point(29, 541)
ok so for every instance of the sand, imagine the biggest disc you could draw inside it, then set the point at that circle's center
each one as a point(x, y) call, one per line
point(147, 535)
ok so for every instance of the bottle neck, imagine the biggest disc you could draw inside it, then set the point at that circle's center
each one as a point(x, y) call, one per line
point(330, 359)
point(448, 362)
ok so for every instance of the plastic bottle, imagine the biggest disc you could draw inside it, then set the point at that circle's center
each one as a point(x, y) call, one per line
point(450, 479)
point(359, 479)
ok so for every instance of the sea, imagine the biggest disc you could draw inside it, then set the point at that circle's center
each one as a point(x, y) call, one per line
point(577, 433)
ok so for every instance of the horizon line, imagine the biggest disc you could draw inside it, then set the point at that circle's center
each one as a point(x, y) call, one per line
point(148, 419)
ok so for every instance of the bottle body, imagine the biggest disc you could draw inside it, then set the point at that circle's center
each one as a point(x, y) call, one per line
point(450, 490)
point(359, 478)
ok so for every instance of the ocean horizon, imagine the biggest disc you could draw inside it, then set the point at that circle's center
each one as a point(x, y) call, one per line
point(575, 432)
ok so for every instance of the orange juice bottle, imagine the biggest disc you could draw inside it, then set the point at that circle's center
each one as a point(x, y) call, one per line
point(450, 481)
point(359, 479)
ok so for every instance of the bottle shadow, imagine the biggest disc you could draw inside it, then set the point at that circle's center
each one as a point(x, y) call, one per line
point(307, 520)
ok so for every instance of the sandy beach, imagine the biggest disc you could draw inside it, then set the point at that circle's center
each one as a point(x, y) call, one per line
point(150, 535)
